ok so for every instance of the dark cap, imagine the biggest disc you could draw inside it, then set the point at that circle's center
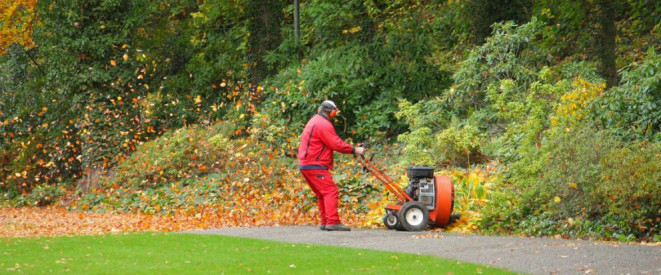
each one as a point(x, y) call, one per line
point(327, 106)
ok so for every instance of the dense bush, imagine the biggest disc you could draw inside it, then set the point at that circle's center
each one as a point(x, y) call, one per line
point(577, 180)
point(581, 183)
point(451, 146)
point(181, 154)
point(491, 96)
point(198, 170)
point(631, 187)
point(511, 53)
point(633, 107)
point(41, 195)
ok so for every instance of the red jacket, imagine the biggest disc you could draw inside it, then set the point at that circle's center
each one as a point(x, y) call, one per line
point(318, 142)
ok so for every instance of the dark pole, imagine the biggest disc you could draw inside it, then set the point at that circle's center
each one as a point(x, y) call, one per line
point(297, 27)
point(606, 45)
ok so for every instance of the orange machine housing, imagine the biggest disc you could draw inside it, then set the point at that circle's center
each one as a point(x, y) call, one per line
point(444, 201)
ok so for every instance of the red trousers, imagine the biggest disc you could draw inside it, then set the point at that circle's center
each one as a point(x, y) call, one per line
point(322, 184)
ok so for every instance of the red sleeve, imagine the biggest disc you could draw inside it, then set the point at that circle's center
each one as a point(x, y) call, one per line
point(333, 141)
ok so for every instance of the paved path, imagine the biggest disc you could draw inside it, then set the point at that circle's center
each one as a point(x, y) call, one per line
point(529, 255)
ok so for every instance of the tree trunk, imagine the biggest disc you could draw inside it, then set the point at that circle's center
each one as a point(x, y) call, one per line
point(606, 41)
point(297, 24)
point(264, 28)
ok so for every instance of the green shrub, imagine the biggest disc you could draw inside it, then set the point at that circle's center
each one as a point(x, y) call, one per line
point(434, 113)
point(41, 195)
point(632, 108)
point(510, 53)
point(419, 147)
point(436, 136)
point(179, 171)
point(451, 146)
point(571, 172)
point(581, 183)
point(182, 154)
point(424, 119)
point(498, 92)
point(631, 187)
point(181, 196)
point(459, 146)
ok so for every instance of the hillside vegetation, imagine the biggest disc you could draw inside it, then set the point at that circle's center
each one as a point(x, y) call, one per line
point(546, 114)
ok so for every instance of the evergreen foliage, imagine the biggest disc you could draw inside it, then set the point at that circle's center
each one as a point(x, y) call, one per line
point(562, 96)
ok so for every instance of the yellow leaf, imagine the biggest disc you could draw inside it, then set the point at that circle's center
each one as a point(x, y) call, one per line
point(112, 62)
point(125, 57)
point(556, 199)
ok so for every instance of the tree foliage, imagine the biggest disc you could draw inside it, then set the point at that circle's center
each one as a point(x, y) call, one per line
point(91, 92)
point(364, 56)
point(16, 23)
point(632, 109)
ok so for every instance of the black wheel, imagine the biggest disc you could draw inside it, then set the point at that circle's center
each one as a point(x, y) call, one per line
point(413, 216)
point(391, 221)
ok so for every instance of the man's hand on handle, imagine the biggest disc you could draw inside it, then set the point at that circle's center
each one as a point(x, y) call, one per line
point(359, 150)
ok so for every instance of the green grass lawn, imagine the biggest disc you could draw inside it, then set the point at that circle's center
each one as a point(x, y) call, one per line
point(174, 253)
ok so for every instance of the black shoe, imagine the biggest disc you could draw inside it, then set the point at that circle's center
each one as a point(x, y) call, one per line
point(322, 227)
point(337, 227)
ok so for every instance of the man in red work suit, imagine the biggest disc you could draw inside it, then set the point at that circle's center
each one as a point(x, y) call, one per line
point(315, 160)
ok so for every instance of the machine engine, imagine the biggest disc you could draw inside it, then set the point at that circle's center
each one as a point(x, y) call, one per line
point(421, 185)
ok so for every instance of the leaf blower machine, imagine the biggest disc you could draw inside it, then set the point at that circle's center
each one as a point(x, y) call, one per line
point(428, 199)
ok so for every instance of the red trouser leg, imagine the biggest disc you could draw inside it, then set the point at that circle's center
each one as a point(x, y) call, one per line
point(322, 184)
